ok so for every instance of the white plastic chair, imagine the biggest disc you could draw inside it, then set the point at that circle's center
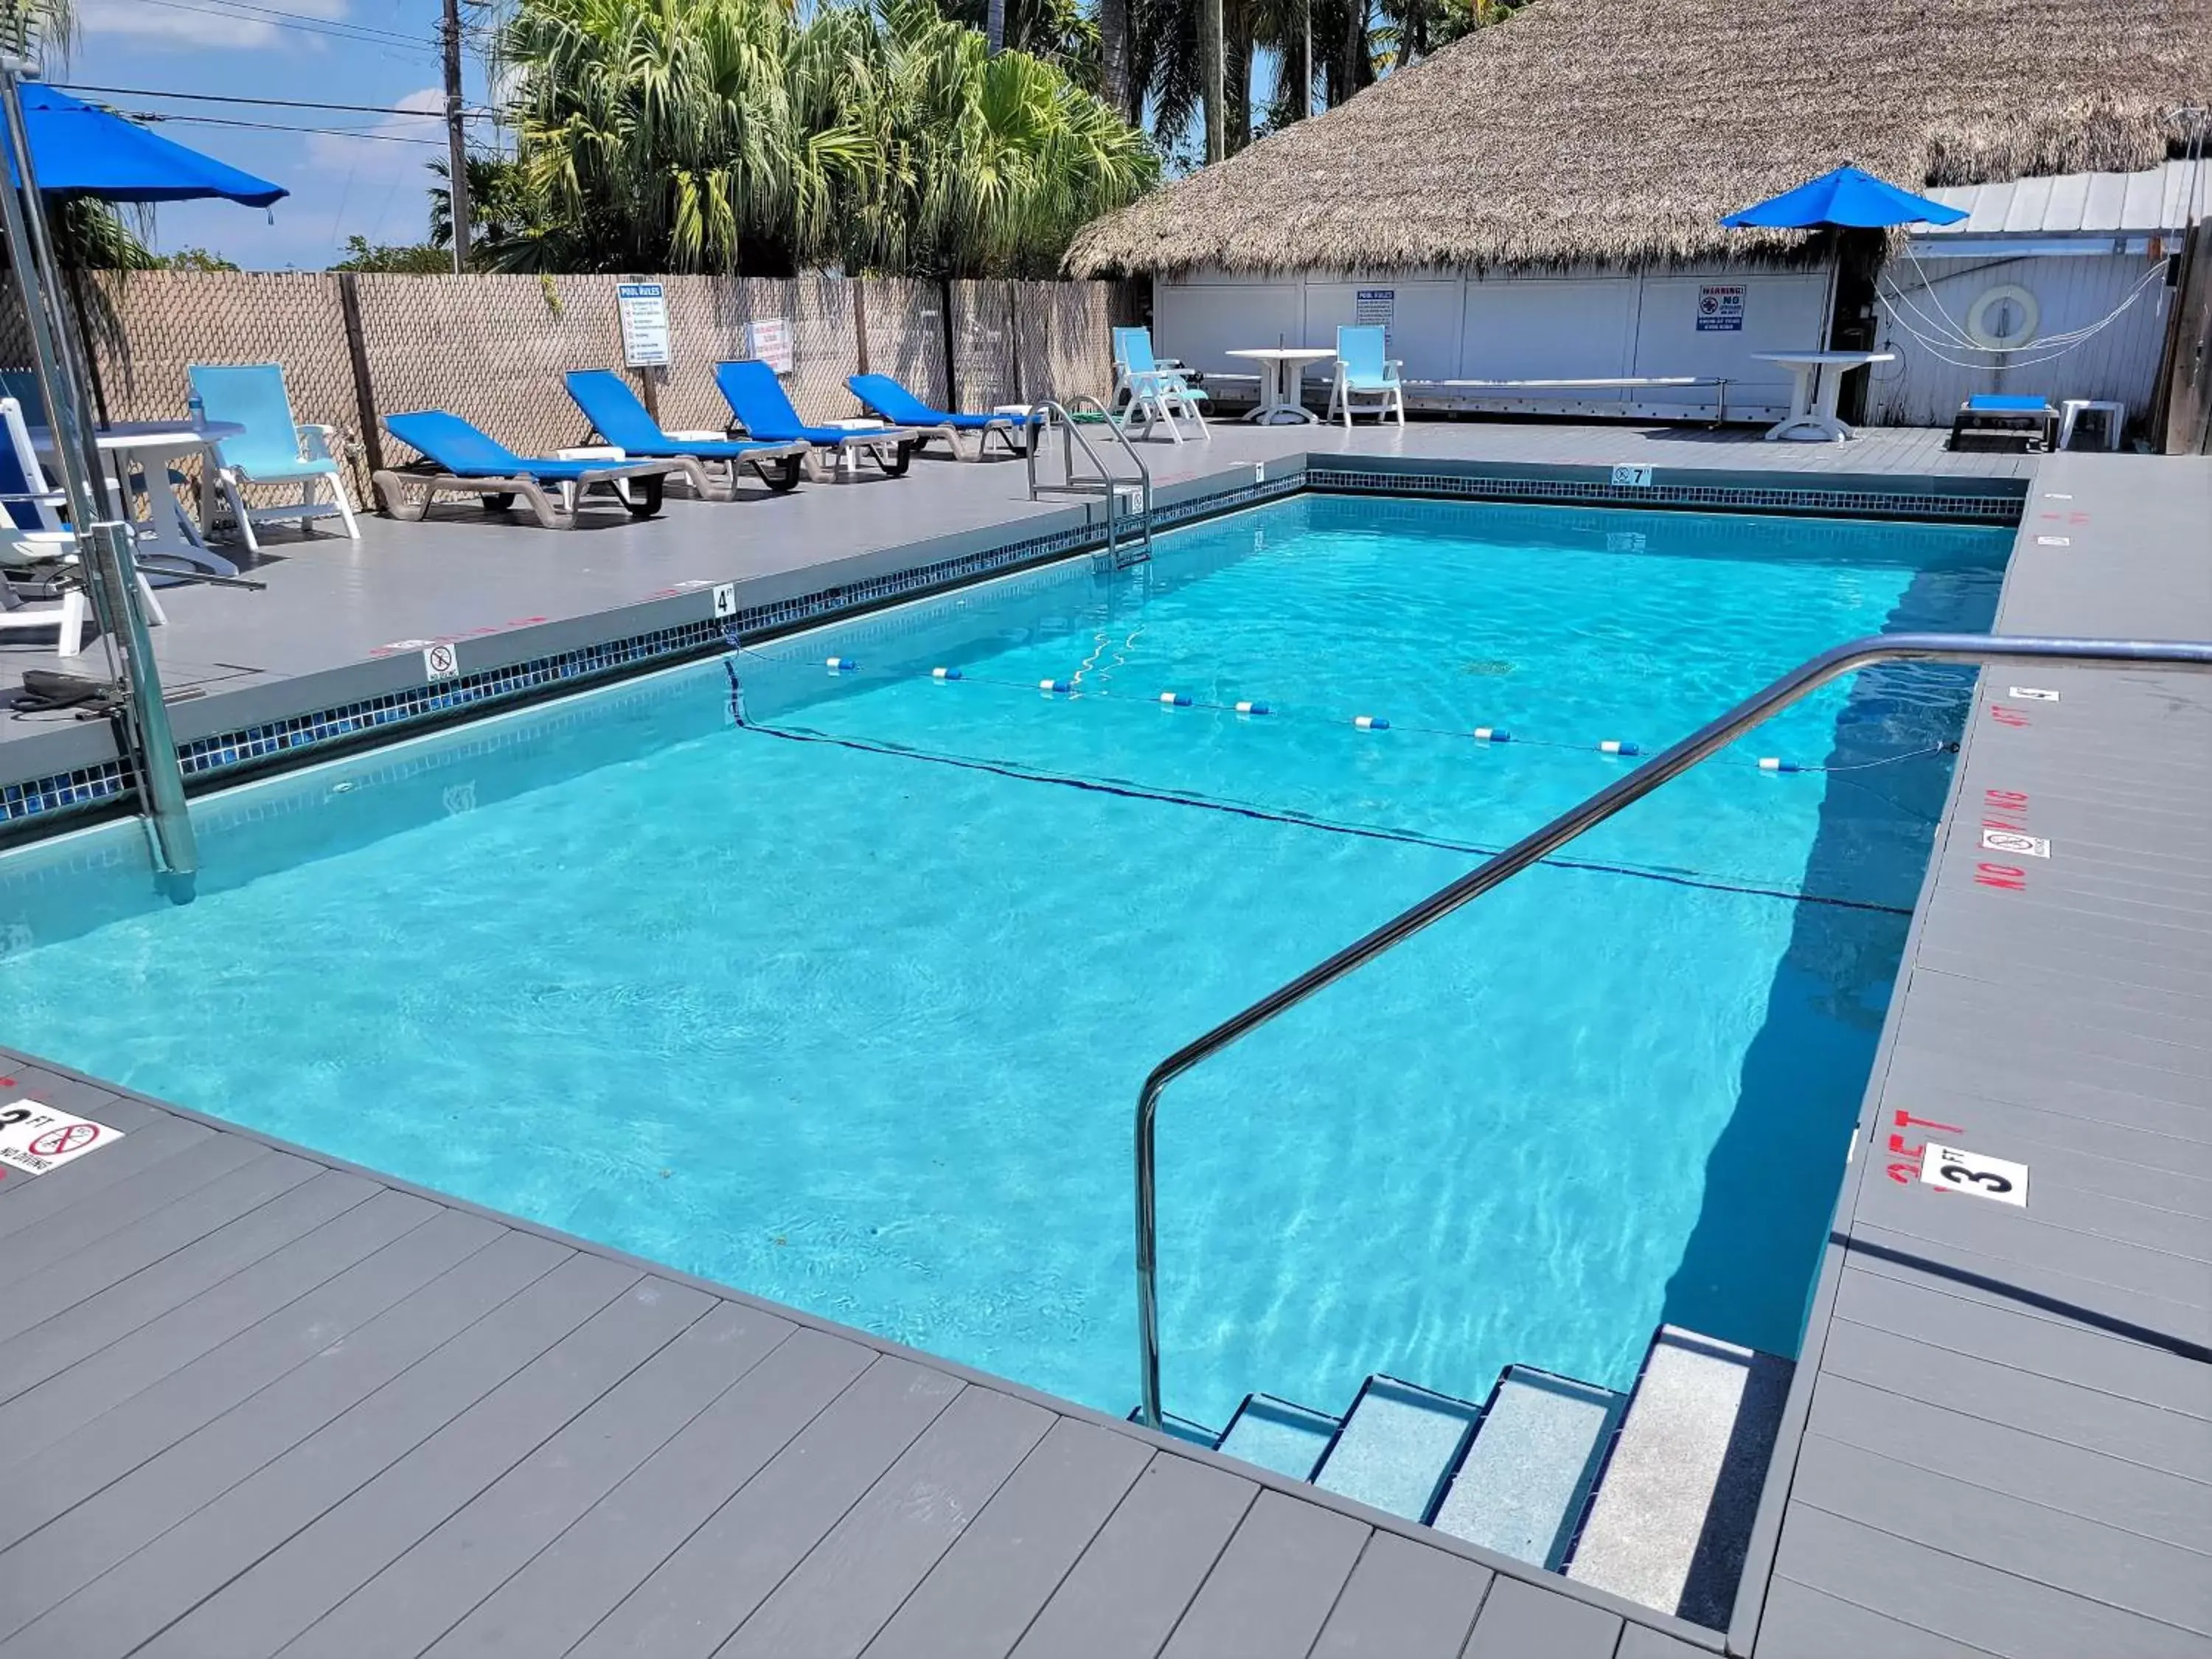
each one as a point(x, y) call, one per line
point(273, 449)
point(1363, 371)
point(1157, 391)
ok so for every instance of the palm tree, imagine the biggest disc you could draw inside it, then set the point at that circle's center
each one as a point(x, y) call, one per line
point(30, 28)
point(732, 135)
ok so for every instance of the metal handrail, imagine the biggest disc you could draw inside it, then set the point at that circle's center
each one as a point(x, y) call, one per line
point(1982, 648)
point(1039, 420)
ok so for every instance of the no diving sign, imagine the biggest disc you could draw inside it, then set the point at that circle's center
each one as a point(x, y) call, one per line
point(34, 1140)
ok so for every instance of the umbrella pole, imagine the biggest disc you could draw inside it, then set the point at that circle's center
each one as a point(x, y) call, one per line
point(104, 539)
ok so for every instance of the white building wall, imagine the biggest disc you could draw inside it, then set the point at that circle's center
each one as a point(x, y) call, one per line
point(1931, 378)
point(1569, 326)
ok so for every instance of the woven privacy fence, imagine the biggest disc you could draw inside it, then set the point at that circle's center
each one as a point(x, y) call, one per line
point(493, 349)
point(148, 327)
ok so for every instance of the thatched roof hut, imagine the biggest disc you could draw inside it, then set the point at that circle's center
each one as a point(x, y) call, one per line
point(1619, 131)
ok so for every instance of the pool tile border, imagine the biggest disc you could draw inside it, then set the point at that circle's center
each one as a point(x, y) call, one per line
point(1487, 485)
point(70, 794)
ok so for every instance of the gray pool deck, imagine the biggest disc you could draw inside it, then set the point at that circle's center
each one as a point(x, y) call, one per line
point(253, 1400)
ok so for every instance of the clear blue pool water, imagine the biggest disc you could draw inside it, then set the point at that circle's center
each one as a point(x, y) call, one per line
point(847, 1005)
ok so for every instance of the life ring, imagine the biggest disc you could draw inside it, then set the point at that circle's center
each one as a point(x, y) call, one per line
point(2008, 293)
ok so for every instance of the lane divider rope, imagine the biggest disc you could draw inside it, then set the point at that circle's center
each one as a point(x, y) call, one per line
point(1058, 687)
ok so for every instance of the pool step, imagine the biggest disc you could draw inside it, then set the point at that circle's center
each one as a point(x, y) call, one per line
point(1277, 1435)
point(1671, 1519)
point(1649, 1494)
point(1521, 1488)
point(1398, 1447)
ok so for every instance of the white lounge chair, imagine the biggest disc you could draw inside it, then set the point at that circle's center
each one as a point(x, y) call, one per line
point(33, 552)
point(37, 551)
point(273, 450)
point(1363, 371)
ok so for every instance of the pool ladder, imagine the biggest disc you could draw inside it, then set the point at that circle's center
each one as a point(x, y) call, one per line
point(1096, 479)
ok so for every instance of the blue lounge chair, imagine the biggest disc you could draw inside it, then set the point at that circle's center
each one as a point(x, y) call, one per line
point(879, 394)
point(1996, 420)
point(1159, 392)
point(274, 449)
point(758, 400)
point(1363, 371)
point(461, 459)
point(620, 419)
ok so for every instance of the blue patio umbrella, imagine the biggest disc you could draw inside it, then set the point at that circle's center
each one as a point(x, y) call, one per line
point(77, 149)
point(1847, 198)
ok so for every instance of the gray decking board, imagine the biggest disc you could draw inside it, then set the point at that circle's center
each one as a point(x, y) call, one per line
point(698, 1599)
point(438, 1582)
point(1518, 1620)
point(2051, 1408)
point(577, 1580)
point(238, 1566)
point(91, 1323)
point(94, 1528)
point(313, 1594)
point(1959, 1446)
point(1405, 1602)
point(841, 1597)
point(1818, 1625)
point(1123, 1597)
point(63, 1374)
point(1964, 1600)
point(2026, 1340)
point(999, 1575)
point(2008, 1442)
point(1273, 1589)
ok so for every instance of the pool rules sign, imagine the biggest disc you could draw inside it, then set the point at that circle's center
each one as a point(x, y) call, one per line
point(642, 309)
point(34, 1140)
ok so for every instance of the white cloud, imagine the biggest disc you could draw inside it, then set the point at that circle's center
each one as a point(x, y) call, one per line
point(364, 156)
point(206, 23)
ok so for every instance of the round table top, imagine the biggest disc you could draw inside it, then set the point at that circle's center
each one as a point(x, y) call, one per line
point(1284, 354)
point(149, 434)
point(1853, 358)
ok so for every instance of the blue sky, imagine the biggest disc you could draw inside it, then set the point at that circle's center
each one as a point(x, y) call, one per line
point(379, 52)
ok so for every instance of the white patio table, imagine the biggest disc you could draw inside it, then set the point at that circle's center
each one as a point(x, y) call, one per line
point(1816, 378)
point(166, 536)
point(1282, 373)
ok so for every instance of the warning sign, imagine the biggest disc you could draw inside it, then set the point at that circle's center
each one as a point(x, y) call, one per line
point(441, 661)
point(1719, 308)
point(34, 1140)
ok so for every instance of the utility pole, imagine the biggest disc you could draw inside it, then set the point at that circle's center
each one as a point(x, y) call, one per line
point(994, 27)
point(457, 154)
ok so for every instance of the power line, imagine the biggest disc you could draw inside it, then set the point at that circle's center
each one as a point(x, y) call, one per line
point(271, 103)
point(273, 126)
point(281, 15)
point(311, 26)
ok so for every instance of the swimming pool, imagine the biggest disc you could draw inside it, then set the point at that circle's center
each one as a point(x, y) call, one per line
point(847, 1004)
